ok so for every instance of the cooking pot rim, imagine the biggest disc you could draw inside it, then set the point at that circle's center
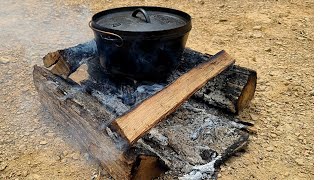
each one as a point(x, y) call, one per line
point(171, 32)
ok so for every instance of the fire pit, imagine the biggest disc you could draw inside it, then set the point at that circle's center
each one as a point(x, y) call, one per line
point(190, 143)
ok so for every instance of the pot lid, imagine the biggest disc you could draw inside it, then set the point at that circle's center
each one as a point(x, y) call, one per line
point(141, 19)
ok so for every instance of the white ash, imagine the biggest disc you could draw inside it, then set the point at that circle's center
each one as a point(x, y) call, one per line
point(111, 102)
point(151, 89)
point(144, 91)
point(199, 172)
point(154, 135)
point(189, 107)
point(71, 93)
point(237, 125)
point(208, 123)
point(131, 96)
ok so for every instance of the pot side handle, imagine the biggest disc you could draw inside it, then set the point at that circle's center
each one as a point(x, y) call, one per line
point(118, 41)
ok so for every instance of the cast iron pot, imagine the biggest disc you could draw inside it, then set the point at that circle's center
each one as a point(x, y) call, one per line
point(140, 42)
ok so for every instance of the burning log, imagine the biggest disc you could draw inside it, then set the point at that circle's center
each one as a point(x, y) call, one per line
point(232, 90)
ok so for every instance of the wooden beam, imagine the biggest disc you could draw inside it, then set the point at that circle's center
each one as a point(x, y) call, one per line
point(146, 115)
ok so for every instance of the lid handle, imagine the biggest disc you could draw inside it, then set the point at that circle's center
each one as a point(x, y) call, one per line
point(145, 14)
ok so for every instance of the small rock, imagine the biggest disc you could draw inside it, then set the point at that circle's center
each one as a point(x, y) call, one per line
point(201, 2)
point(271, 73)
point(43, 142)
point(257, 35)
point(268, 49)
point(57, 158)
point(34, 176)
point(223, 169)
point(299, 161)
point(24, 173)
point(3, 166)
point(75, 156)
point(269, 104)
point(28, 162)
point(256, 28)
point(273, 135)
point(22, 147)
point(270, 148)
point(65, 153)
point(254, 117)
point(219, 175)
point(239, 28)
point(311, 94)
point(4, 60)
point(50, 134)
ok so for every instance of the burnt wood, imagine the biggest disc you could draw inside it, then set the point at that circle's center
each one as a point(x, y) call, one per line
point(197, 135)
point(232, 90)
point(193, 135)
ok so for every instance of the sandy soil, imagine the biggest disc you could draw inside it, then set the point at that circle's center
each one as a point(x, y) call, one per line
point(273, 37)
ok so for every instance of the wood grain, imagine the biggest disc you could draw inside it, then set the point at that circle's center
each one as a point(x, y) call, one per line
point(146, 115)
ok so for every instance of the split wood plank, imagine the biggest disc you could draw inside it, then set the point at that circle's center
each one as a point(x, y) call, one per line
point(146, 115)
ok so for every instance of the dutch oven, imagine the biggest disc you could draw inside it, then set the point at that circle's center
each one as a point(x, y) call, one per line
point(140, 42)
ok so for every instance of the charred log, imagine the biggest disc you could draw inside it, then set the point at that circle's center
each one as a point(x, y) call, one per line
point(231, 90)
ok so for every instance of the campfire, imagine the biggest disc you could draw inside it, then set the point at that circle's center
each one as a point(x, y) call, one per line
point(184, 126)
point(141, 103)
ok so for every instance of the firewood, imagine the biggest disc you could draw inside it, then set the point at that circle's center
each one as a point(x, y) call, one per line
point(66, 103)
point(231, 90)
point(66, 61)
point(146, 115)
point(87, 117)
point(233, 95)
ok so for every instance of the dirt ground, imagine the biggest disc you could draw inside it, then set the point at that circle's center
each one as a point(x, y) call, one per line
point(273, 37)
